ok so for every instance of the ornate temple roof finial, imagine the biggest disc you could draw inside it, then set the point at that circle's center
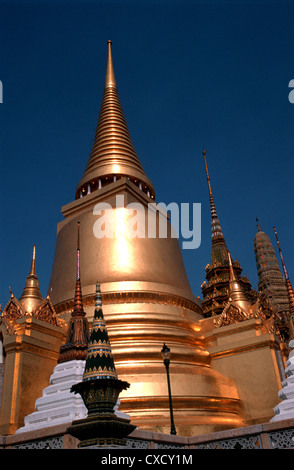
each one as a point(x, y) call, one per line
point(109, 76)
point(31, 296)
point(78, 329)
point(219, 271)
point(212, 204)
point(78, 301)
point(236, 291)
point(99, 362)
point(232, 274)
point(31, 302)
point(258, 225)
point(78, 253)
point(33, 266)
point(215, 224)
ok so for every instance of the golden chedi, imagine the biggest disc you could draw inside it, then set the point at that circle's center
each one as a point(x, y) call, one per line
point(146, 294)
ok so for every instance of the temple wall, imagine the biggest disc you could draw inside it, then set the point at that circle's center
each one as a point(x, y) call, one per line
point(262, 436)
point(31, 354)
point(252, 359)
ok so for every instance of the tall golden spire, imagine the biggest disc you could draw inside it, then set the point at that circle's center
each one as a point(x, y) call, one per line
point(219, 251)
point(216, 292)
point(216, 231)
point(31, 296)
point(113, 154)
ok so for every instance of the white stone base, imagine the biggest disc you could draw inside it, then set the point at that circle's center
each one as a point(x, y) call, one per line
point(57, 404)
point(285, 409)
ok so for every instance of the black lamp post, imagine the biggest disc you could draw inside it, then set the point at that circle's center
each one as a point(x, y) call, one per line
point(165, 352)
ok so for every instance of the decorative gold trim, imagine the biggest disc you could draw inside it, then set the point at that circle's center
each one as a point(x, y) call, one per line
point(132, 297)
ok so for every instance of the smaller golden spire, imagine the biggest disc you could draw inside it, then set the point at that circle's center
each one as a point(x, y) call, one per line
point(33, 265)
point(232, 274)
point(237, 294)
point(31, 296)
point(77, 339)
point(215, 224)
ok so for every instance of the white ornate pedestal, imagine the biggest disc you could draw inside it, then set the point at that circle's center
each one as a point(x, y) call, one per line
point(57, 404)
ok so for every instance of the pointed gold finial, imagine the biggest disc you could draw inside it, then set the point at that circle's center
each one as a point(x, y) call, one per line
point(215, 227)
point(33, 265)
point(109, 76)
point(78, 330)
point(232, 274)
point(31, 296)
point(237, 294)
point(207, 174)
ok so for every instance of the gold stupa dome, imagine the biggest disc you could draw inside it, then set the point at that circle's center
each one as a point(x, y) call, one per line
point(140, 264)
point(147, 299)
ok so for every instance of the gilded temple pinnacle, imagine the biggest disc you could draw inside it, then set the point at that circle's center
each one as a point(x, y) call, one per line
point(219, 252)
point(78, 329)
point(218, 274)
point(110, 76)
point(31, 296)
point(113, 155)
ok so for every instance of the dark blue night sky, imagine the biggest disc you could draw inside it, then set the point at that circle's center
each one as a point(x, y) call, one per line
point(190, 75)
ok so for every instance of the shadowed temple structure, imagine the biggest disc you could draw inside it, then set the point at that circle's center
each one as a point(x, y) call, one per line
point(215, 289)
point(271, 283)
point(228, 357)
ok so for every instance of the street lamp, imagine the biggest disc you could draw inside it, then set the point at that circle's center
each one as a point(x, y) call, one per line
point(165, 352)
